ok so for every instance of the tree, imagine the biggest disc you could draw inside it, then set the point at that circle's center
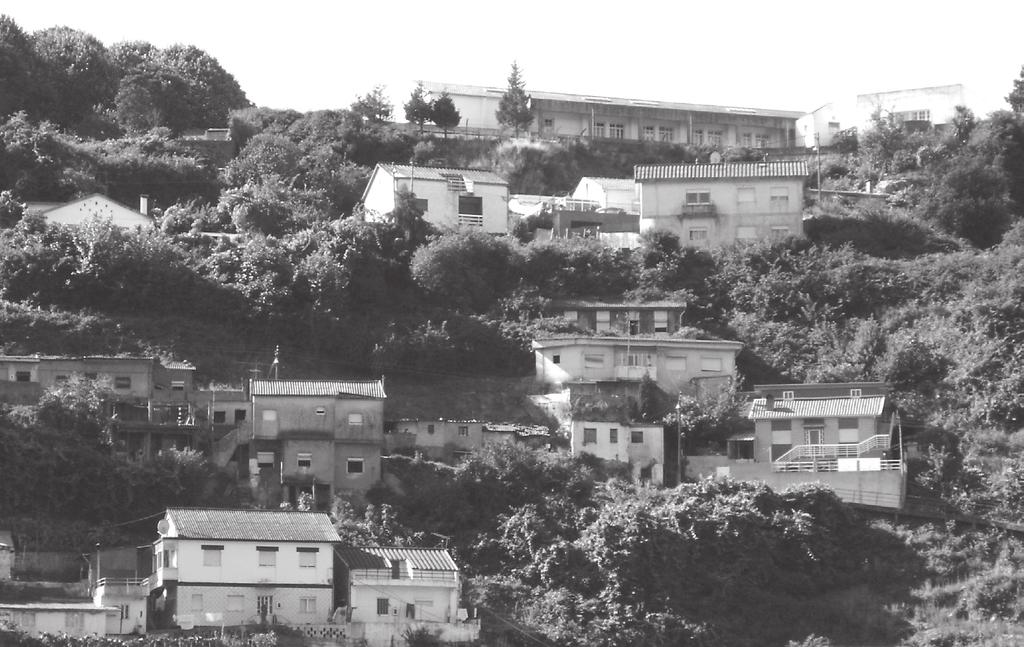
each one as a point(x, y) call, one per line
point(374, 106)
point(444, 113)
point(212, 92)
point(1016, 96)
point(418, 110)
point(17, 60)
point(11, 210)
point(150, 96)
point(78, 76)
point(514, 107)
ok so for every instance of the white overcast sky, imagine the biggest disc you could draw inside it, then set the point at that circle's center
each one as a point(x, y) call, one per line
point(785, 54)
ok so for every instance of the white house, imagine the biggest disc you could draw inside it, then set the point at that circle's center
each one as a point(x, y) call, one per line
point(608, 192)
point(228, 567)
point(393, 589)
point(98, 206)
point(639, 444)
point(72, 618)
point(708, 205)
point(450, 198)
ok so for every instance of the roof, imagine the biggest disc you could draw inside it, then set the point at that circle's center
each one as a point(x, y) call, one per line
point(56, 606)
point(440, 174)
point(178, 365)
point(613, 183)
point(380, 558)
point(730, 170)
point(483, 91)
point(255, 525)
point(320, 388)
point(846, 407)
point(483, 399)
point(613, 305)
point(555, 341)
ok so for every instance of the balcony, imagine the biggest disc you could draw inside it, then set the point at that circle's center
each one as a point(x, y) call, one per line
point(122, 587)
point(162, 576)
point(705, 210)
point(623, 372)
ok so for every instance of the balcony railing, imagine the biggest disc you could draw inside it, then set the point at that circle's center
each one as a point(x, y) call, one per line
point(844, 450)
point(635, 372)
point(833, 465)
point(698, 210)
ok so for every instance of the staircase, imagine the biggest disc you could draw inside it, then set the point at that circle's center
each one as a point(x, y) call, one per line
point(225, 446)
point(456, 182)
point(825, 458)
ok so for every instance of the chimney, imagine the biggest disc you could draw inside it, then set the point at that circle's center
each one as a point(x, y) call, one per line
point(144, 204)
point(769, 402)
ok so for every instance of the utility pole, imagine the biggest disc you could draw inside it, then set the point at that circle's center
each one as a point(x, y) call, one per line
point(817, 148)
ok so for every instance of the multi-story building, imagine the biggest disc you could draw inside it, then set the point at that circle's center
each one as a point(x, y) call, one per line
point(231, 567)
point(843, 435)
point(636, 318)
point(719, 204)
point(617, 438)
point(317, 437)
point(450, 198)
point(559, 114)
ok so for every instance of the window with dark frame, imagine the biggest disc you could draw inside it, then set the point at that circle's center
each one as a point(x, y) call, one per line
point(304, 460)
point(354, 465)
point(590, 435)
point(219, 417)
point(471, 205)
point(122, 382)
point(636, 437)
point(383, 608)
point(239, 415)
point(613, 436)
point(22, 376)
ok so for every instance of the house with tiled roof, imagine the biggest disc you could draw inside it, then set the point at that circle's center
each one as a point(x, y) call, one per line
point(390, 590)
point(843, 435)
point(316, 437)
point(229, 567)
point(450, 198)
point(709, 205)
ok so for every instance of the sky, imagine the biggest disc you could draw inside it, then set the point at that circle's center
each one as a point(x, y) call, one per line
point(780, 54)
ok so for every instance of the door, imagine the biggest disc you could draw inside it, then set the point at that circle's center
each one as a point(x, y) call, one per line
point(264, 607)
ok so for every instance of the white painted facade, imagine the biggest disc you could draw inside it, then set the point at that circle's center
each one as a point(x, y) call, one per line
point(640, 445)
point(479, 200)
point(96, 206)
point(74, 619)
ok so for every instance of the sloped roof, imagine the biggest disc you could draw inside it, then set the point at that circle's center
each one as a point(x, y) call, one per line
point(438, 173)
point(613, 183)
point(320, 388)
point(255, 525)
point(845, 407)
point(557, 340)
point(730, 170)
point(176, 365)
point(380, 558)
point(484, 399)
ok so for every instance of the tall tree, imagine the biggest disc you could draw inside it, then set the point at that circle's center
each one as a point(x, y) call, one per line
point(212, 92)
point(417, 109)
point(444, 113)
point(1016, 96)
point(16, 63)
point(78, 76)
point(514, 107)
point(374, 106)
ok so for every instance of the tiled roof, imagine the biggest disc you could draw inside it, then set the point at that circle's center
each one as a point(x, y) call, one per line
point(320, 388)
point(869, 405)
point(256, 525)
point(420, 559)
point(178, 365)
point(616, 305)
point(440, 174)
point(557, 340)
point(731, 170)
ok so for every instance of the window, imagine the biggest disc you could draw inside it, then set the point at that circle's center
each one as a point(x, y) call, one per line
point(613, 436)
point(307, 605)
point(746, 139)
point(122, 382)
point(915, 115)
point(420, 203)
point(855, 393)
point(27, 620)
point(430, 428)
point(778, 233)
point(267, 555)
point(698, 197)
point(321, 411)
point(463, 430)
point(778, 200)
point(471, 205)
point(304, 460)
point(211, 555)
point(598, 129)
point(410, 610)
point(91, 376)
point(675, 363)
point(698, 234)
point(197, 602)
point(177, 385)
point(711, 364)
point(593, 361)
point(590, 435)
point(219, 417)
point(849, 433)
point(648, 133)
point(74, 621)
point(636, 437)
point(660, 321)
point(556, 359)
point(761, 141)
point(782, 436)
point(61, 379)
point(239, 415)
point(746, 232)
point(397, 565)
point(269, 415)
point(714, 137)
point(549, 123)
point(355, 420)
point(833, 127)
point(236, 602)
point(125, 611)
point(265, 459)
point(666, 134)
point(782, 425)
point(307, 557)
point(383, 608)
point(746, 198)
point(787, 395)
point(698, 137)
point(22, 376)
point(354, 466)
point(616, 131)
point(602, 320)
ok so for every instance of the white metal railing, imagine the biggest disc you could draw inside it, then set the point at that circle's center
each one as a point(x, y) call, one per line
point(832, 465)
point(836, 450)
point(470, 221)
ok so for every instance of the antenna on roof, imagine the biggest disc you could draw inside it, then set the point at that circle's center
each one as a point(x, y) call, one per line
point(274, 366)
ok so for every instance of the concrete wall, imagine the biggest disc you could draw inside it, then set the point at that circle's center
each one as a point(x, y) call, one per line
point(37, 618)
point(648, 454)
point(232, 605)
point(443, 204)
point(661, 207)
point(763, 436)
point(240, 562)
point(97, 206)
point(434, 603)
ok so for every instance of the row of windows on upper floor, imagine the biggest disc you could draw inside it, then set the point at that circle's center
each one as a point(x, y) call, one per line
point(120, 381)
point(636, 436)
point(749, 233)
point(264, 603)
point(701, 136)
point(304, 461)
point(672, 362)
point(270, 416)
point(266, 556)
point(746, 196)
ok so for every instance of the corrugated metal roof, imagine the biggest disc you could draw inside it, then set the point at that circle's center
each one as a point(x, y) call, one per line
point(257, 525)
point(320, 388)
point(732, 170)
point(380, 558)
point(440, 174)
point(869, 405)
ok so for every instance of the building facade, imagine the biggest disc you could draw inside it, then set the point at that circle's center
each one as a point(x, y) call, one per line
point(640, 445)
point(94, 207)
point(638, 318)
point(608, 193)
point(559, 114)
point(467, 199)
point(230, 567)
point(71, 618)
point(709, 205)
